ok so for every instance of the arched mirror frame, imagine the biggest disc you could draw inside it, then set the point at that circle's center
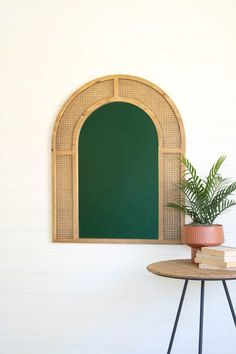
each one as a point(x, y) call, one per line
point(171, 139)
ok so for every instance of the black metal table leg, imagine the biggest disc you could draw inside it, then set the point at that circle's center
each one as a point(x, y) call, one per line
point(177, 316)
point(229, 301)
point(201, 317)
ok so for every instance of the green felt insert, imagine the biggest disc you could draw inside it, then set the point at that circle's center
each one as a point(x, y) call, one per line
point(118, 174)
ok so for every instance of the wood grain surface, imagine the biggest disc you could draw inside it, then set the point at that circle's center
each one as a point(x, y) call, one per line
point(185, 269)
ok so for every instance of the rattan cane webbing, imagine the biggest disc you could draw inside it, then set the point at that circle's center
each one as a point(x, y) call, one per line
point(85, 100)
point(158, 105)
point(171, 217)
point(75, 109)
point(64, 197)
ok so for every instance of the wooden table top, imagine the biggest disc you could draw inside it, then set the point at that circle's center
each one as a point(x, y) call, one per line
point(185, 269)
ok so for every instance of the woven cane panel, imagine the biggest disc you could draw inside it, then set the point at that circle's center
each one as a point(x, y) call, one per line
point(64, 197)
point(158, 105)
point(170, 168)
point(171, 217)
point(81, 102)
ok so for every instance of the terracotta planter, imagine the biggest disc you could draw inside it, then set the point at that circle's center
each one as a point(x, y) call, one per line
point(197, 236)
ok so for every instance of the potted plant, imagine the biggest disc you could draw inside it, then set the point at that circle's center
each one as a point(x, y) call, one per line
point(204, 200)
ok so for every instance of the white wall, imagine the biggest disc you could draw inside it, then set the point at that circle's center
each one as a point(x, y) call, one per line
point(87, 298)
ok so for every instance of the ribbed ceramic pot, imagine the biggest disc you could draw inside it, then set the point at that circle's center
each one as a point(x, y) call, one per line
point(198, 236)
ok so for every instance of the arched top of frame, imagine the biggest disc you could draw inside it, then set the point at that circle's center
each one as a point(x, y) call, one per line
point(126, 88)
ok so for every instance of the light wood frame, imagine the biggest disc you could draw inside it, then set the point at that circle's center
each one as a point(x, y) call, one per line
point(171, 140)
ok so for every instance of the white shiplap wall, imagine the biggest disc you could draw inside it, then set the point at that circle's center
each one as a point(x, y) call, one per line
point(87, 299)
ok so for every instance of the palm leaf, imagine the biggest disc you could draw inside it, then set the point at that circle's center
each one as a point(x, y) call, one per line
point(213, 177)
point(204, 199)
point(223, 194)
point(220, 208)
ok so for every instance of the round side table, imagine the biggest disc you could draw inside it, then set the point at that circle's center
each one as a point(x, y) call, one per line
point(186, 270)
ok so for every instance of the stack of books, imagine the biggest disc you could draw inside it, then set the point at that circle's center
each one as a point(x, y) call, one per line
point(217, 257)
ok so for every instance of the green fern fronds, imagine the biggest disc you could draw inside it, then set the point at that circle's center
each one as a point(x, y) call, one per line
point(205, 199)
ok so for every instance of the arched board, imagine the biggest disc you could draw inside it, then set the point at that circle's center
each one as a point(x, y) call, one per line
point(66, 185)
point(118, 174)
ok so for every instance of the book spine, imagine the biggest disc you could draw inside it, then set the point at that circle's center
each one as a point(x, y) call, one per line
point(226, 256)
point(214, 262)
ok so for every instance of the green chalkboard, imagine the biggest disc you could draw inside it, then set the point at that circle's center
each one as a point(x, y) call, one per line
point(118, 174)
